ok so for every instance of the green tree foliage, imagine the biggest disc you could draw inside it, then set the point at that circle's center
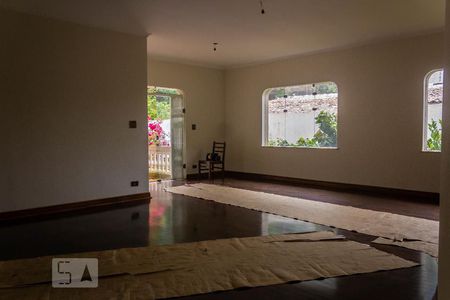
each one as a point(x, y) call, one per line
point(434, 142)
point(157, 110)
point(279, 143)
point(326, 88)
point(276, 93)
point(158, 102)
point(325, 136)
point(160, 90)
point(307, 142)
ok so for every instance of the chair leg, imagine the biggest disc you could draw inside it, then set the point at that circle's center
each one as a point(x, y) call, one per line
point(209, 173)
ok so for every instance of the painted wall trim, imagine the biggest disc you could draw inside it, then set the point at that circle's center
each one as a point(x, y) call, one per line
point(327, 185)
point(76, 207)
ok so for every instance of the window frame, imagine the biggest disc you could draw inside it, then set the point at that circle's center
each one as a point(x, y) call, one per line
point(265, 118)
point(425, 112)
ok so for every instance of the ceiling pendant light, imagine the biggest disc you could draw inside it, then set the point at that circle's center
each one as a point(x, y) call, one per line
point(261, 4)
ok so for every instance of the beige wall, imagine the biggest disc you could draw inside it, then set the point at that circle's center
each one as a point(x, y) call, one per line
point(444, 224)
point(380, 89)
point(67, 93)
point(203, 90)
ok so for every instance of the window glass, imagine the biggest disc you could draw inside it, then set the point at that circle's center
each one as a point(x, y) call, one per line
point(301, 116)
point(432, 134)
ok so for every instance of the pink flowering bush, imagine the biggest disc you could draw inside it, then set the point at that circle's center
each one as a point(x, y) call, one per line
point(156, 134)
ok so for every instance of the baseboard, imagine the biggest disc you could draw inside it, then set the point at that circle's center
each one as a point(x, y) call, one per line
point(74, 208)
point(196, 176)
point(347, 187)
point(216, 175)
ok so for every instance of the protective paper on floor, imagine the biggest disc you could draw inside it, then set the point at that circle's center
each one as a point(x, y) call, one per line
point(381, 224)
point(429, 248)
point(202, 267)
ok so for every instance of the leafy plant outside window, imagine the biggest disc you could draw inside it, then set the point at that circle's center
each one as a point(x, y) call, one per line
point(435, 140)
point(157, 111)
point(325, 136)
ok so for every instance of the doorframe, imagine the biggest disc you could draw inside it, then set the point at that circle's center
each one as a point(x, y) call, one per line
point(184, 150)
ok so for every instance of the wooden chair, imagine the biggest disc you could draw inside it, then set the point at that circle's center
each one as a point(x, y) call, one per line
point(214, 161)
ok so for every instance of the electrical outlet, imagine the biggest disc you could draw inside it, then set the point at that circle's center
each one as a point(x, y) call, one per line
point(135, 183)
point(132, 124)
point(194, 166)
point(194, 126)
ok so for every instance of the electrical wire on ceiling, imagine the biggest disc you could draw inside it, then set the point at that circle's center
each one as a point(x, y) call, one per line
point(263, 11)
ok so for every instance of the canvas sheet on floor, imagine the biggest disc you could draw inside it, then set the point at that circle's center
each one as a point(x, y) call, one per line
point(156, 272)
point(429, 248)
point(381, 224)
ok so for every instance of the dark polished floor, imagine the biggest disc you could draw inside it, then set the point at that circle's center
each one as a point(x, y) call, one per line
point(177, 219)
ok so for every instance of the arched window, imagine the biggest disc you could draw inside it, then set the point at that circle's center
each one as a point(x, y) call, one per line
point(432, 120)
point(301, 116)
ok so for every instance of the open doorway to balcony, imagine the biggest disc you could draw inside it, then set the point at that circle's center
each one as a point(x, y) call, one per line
point(165, 114)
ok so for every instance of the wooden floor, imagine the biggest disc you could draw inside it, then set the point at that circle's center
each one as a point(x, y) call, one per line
point(177, 219)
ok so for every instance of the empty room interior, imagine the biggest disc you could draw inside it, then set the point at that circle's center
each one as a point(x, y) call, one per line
point(225, 149)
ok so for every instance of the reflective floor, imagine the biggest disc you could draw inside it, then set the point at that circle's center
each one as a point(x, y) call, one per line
point(177, 219)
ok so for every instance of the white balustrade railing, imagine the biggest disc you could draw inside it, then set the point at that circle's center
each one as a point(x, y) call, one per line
point(159, 159)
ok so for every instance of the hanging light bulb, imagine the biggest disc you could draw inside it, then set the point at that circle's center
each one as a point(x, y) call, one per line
point(215, 46)
point(261, 4)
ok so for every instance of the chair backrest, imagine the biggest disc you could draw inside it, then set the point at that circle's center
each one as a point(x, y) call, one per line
point(219, 148)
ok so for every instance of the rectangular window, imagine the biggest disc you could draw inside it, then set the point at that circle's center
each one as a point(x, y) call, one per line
point(432, 127)
point(301, 116)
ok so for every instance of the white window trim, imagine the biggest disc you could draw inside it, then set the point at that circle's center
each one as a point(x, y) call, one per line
point(265, 120)
point(425, 113)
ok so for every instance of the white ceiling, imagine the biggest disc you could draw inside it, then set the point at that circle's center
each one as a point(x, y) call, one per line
point(184, 30)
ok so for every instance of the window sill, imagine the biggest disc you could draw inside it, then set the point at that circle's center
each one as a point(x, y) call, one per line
point(296, 147)
point(432, 151)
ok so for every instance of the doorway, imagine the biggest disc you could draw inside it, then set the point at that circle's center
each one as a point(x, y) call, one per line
point(165, 115)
